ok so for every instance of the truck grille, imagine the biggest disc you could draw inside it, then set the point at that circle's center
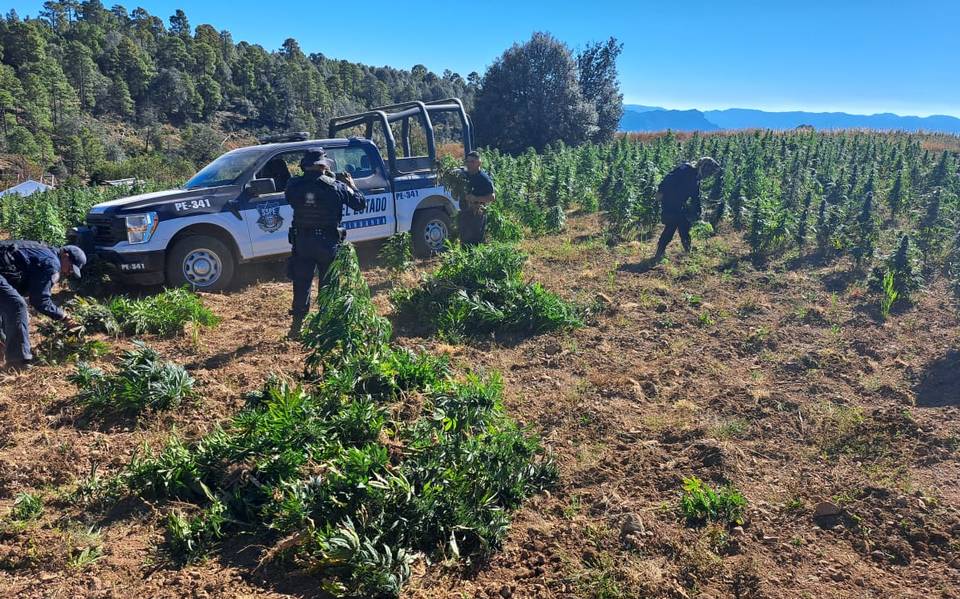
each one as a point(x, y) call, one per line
point(107, 230)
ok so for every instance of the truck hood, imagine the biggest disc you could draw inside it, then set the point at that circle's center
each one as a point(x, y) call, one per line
point(160, 199)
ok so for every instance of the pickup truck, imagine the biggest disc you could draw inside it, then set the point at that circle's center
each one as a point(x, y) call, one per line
point(233, 211)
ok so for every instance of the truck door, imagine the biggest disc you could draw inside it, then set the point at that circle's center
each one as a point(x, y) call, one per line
point(365, 166)
point(268, 217)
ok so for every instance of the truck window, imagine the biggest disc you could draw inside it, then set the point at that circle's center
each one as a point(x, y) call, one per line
point(224, 170)
point(281, 168)
point(362, 166)
point(355, 161)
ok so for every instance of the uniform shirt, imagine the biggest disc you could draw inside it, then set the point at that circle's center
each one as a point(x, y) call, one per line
point(32, 268)
point(681, 184)
point(318, 201)
point(480, 184)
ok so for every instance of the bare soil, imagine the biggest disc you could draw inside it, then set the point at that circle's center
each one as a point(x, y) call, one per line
point(781, 381)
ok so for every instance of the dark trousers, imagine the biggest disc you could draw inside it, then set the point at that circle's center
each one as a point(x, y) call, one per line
point(472, 225)
point(14, 323)
point(669, 228)
point(311, 252)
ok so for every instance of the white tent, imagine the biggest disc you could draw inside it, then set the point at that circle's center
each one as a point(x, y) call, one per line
point(26, 188)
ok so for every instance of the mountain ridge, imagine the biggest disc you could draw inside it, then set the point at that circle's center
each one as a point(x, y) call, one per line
point(641, 118)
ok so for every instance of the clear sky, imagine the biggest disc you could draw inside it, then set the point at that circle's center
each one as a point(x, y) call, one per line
point(861, 56)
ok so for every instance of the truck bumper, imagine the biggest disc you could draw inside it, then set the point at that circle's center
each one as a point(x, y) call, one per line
point(135, 268)
point(130, 268)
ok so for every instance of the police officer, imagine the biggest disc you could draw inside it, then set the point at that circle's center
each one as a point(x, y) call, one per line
point(317, 198)
point(681, 185)
point(29, 268)
point(472, 220)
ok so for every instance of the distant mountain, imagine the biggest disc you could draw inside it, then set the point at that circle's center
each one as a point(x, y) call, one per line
point(660, 120)
point(741, 118)
point(641, 108)
point(637, 117)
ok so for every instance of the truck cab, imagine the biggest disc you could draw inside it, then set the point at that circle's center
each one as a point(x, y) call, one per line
point(234, 210)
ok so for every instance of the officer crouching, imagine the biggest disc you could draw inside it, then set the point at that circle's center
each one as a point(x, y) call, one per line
point(317, 199)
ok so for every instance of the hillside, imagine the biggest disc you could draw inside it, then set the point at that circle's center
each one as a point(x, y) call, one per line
point(85, 90)
point(640, 118)
point(788, 391)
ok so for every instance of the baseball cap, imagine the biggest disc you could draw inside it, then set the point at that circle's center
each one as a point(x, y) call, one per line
point(316, 158)
point(77, 257)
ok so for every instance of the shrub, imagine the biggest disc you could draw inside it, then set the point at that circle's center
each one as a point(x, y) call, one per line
point(890, 294)
point(502, 227)
point(556, 219)
point(190, 538)
point(701, 230)
point(345, 324)
point(142, 382)
point(479, 290)
point(397, 253)
point(699, 504)
point(62, 343)
point(26, 507)
point(899, 275)
point(163, 314)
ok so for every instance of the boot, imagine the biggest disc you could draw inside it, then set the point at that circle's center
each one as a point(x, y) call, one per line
point(15, 367)
point(295, 327)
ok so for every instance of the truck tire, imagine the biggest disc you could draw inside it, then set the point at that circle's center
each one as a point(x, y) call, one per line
point(201, 262)
point(430, 231)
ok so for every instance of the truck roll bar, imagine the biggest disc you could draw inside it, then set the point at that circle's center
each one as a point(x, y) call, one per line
point(403, 112)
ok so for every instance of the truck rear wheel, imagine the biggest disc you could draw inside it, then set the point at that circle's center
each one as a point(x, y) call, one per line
point(201, 262)
point(430, 231)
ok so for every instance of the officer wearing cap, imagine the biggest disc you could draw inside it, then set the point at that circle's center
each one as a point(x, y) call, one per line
point(679, 196)
point(317, 198)
point(29, 268)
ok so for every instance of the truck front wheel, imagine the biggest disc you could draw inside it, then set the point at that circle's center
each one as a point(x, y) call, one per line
point(202, 262)
point(430, 231)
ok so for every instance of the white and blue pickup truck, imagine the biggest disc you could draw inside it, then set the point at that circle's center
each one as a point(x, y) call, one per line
point(233, 211)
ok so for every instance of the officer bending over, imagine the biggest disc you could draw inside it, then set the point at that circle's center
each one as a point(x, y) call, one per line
point(317, 199)
point(681, 185)
point(29, 268)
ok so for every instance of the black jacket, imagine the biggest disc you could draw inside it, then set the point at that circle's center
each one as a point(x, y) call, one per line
point(318, 202)
point(680, 185)
point(32, 268)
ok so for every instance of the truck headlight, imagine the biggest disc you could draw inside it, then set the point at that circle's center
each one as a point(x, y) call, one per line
point(140, 227)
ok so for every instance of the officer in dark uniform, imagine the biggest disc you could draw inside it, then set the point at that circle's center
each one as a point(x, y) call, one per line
point(317, 198)
point(681, 185)
point(472, 220)
point(29, 268)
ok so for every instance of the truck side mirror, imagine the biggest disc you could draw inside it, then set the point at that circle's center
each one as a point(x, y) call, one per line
point(259, 187)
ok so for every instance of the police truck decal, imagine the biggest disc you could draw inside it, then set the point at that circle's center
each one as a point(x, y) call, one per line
point(270, 218)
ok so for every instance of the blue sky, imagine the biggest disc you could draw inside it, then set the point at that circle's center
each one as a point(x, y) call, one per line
point(846, 55)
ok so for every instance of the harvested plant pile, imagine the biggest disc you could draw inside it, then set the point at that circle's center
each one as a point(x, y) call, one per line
point(480, 290)
point(332, 479)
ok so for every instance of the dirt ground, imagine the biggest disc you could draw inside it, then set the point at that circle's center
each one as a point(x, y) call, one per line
point(780, 381)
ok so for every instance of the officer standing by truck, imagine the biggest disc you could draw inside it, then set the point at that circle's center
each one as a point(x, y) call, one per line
point(472, 220)
point(30, 268)
point(679, 196)
point(317, 198)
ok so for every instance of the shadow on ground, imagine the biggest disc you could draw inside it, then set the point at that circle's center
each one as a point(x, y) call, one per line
point(939, 384)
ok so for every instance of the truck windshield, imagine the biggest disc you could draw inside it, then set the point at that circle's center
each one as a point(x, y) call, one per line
point(223, 171)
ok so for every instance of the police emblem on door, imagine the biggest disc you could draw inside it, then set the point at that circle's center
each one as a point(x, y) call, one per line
point(270, 219)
